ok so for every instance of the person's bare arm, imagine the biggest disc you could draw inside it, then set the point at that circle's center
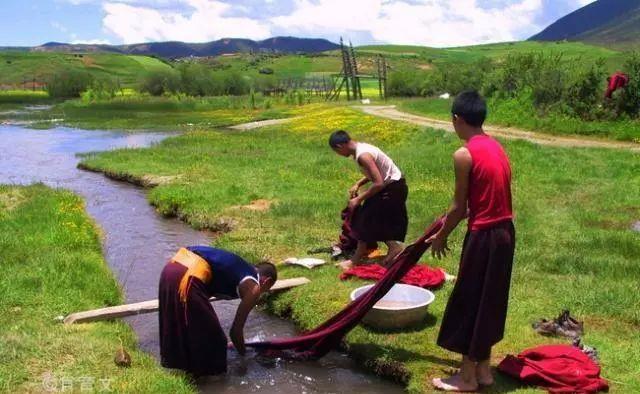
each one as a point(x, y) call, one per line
point(249, 294)
point(458, 210)
point(373, 174)
point(353, 192)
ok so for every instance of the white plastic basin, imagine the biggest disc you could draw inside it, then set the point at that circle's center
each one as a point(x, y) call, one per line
point(402, 306)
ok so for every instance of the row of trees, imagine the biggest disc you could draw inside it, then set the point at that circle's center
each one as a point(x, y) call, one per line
point(549, 82)
point(192, 79)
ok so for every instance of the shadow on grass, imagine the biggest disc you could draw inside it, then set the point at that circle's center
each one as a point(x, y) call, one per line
point(390, 362)
point(429, 321)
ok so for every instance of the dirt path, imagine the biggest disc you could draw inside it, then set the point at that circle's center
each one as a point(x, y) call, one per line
point(391, 112)
point(260, 123)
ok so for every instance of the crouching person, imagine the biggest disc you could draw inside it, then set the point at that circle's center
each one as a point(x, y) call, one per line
point(474, 319)
point(380, 210)
point(191, 338)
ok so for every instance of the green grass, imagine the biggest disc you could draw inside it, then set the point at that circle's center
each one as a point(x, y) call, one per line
point(522, 114)
point(18, 67)
point(23, 97)
point(572, 51)
point(52, 265)
point(574, 209)
point(156, 113)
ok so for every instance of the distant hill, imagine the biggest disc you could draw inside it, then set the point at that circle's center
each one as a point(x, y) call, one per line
point(604, 22)
point(177, 49)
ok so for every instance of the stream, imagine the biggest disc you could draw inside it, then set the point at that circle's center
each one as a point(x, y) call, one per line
point(137, 243)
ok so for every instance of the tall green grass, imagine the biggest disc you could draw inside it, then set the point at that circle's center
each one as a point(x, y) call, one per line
point(573, 208)
point(52, 265)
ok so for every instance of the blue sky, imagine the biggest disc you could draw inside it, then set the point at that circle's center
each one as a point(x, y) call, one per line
point(421, 22)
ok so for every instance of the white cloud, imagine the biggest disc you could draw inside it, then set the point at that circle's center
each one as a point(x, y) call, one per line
point(204, 21)
point(421, 22)
point(96, 41)
point(59, 26)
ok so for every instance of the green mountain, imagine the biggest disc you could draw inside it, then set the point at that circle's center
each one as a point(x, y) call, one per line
point(603, 22)
point(177, 49)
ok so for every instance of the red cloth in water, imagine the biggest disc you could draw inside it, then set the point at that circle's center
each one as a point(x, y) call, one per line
point(616, 81)
point(420, 275)
point(327, 336)
point(558, 368)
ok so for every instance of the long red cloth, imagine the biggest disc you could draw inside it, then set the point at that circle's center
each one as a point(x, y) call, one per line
point(558, 368)
point(419, 275)
point(327, 336)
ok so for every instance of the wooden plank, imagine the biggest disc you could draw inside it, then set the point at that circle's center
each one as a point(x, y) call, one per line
point(140, 308)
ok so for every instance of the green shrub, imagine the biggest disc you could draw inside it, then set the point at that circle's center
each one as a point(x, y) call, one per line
point(160, 82)
point(197, 80)
point(405, 82)
point(584, 93)
point(101, 89)
point(68, 84)
point(628, 100)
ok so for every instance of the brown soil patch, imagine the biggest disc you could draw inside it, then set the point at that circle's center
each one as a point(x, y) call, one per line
point(425, 66)
point(11, 199)
point(157, 180)
point(88, 61)
point(259, 205)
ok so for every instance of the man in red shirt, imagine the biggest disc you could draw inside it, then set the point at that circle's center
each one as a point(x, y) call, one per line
point(475, 316)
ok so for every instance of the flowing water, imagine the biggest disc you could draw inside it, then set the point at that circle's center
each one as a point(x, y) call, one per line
point(137, 244)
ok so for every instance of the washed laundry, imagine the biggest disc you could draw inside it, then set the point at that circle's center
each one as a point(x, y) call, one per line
point(419, 275)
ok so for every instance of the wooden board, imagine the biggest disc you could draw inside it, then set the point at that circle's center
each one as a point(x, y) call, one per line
point(140, 308)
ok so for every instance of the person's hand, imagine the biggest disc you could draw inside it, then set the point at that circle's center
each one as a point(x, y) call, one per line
point(353, 203)
point(439, 247)
point(353, 192)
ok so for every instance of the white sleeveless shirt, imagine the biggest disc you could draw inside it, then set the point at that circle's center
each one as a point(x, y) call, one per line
point(388, 169)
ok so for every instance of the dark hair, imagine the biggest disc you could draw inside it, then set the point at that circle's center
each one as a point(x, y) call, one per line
point(338, 137)
point(470, 106)
point(267, 269)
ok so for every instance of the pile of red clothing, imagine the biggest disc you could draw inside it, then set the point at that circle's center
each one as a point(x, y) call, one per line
point(419, 275)
point(558, 368)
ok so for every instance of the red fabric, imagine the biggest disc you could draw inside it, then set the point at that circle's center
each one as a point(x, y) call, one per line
point(558, 368)
point(419, 275)
point(327, 336)
point(617, 81)
point(489, 183)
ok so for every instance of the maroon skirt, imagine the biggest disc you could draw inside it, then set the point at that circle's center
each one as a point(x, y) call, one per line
point(191, 338)
point(475, 316)
point(383, 217)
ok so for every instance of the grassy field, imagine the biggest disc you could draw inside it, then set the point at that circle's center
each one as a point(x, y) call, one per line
point(52, 263)
point(574, 209)
point(513, 113)
point(154, 113)
point(17, 68)
point(412, 57)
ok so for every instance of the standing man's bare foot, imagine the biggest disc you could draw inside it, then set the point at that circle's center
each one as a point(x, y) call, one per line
point(456, 383)
point(483, 373)
point(395, 247)
point(345, 265)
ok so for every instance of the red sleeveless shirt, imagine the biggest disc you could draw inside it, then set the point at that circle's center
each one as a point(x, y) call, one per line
point(489, 183)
